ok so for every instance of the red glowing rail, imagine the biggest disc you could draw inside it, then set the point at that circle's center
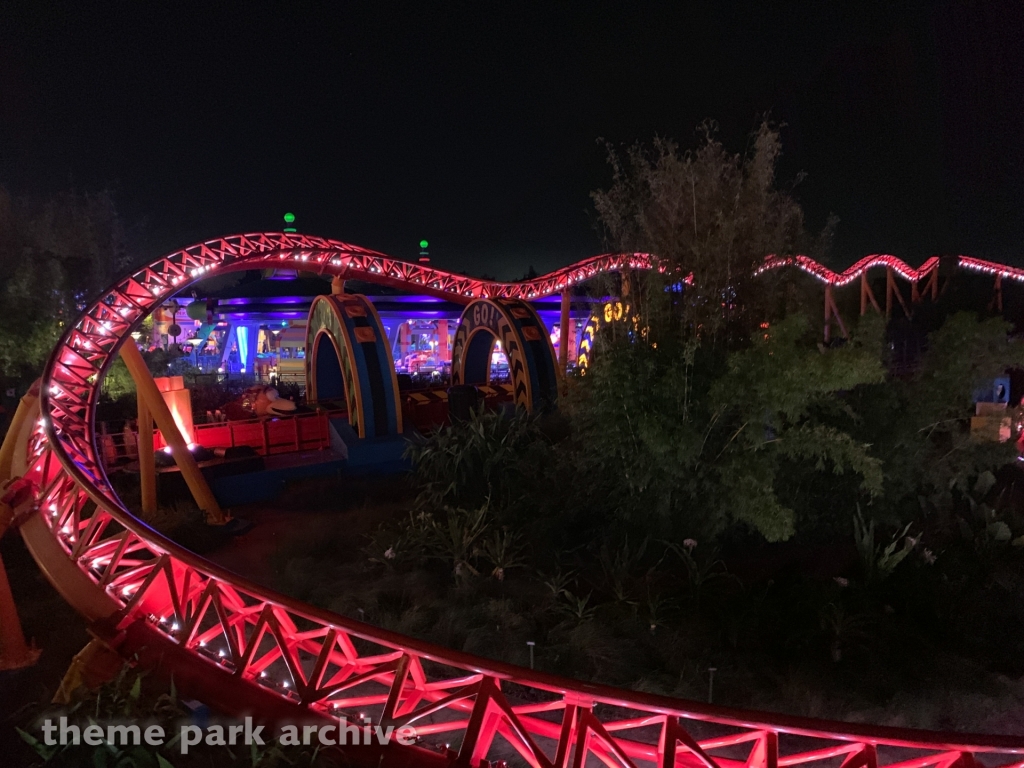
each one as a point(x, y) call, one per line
point(900, 267)
point(243, 648)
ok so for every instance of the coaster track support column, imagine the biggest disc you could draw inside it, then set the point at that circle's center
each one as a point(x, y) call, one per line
point(15, 653)
point(147, 390)
point(147, 459)
point(563, 334)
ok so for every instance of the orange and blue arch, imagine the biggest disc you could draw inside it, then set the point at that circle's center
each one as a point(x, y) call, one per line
point(348, 357)
point(533, 368)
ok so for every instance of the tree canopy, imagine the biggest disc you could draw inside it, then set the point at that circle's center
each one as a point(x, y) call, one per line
point(708, 217)
point(716, 404)
point(55, 254)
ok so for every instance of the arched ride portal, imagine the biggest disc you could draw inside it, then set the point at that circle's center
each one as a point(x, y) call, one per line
point(348, 357)
point(524, 339)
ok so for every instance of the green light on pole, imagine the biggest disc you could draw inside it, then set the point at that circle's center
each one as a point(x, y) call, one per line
point(423, 245)
point(289, 218)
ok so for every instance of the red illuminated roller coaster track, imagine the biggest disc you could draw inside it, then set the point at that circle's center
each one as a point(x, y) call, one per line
point(242, 648)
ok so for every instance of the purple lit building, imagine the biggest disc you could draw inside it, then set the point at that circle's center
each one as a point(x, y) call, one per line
point(258, 325)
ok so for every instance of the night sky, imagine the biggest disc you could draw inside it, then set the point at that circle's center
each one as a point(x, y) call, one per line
point(475, 125)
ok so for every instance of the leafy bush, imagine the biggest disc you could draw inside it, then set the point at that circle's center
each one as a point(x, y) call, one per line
point(877, 561)
point(485, 460)
point(463, 540)
point(689, 442)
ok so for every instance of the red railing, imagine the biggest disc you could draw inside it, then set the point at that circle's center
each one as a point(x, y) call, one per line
point(268, 437)
point(241, 647)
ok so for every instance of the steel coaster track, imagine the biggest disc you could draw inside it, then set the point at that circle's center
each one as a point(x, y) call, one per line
point(243, 648)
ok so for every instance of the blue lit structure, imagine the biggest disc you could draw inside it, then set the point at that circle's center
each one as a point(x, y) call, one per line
point(260, 324)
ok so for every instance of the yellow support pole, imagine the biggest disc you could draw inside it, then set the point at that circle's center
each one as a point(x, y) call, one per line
point(15, 653)
point(147, 459)
point(25, 408)
point(147, 391)
point(92, 666)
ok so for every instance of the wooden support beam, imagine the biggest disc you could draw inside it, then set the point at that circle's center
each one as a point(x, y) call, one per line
point(866, 294)
point(26, 409)
point(899, 296)
point(828, 312)
point(831, 310)
point(147, 460)
point(563, 334)
point(146, 389)
point(573, 342)
point(15, 652)
point(997, 295)
point(933, 284)
point(892, 289)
